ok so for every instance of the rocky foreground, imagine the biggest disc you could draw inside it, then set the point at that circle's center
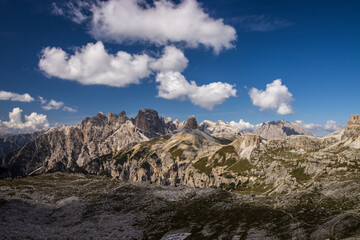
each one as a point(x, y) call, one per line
point(76, 206)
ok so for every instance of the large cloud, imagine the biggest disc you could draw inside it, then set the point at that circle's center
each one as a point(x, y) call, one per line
point(120, 70)
point(91, 64)
point(244, 126)
point(276, 96)
point(161, 23)
point(4, 95)
point(173, 85)
point(33, 122)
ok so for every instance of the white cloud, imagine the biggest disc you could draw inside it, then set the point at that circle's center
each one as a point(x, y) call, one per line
point(33, 122)
point(161, 23)
point(42, 100)
point(57, 10)
point(15, 96)
point(244, 126)
point(173, 85)
point(322, 129)
point(91, 64)
point(172, 60)
point(52, 104)
point(276, 96)
point(69, 109)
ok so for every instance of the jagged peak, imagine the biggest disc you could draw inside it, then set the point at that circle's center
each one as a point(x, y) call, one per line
point(192, 123)
point(168, 120)
point(354, 119)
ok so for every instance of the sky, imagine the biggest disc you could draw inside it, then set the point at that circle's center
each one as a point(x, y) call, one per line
point(240, 61)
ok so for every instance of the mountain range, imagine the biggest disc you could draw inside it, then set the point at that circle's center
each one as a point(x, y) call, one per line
point(148, 178)
point(278, 157)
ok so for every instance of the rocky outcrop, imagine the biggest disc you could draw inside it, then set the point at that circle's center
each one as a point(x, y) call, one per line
point(149, 123)
point(12, 142)
point(352, 130)
point(220, 129)
point(192, 123)
point(280, 129)
point(68, 148)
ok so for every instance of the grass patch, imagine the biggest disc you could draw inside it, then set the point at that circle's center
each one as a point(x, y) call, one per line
point(176, 152)
point(202, 167)
point(300, 175)
point(241, 166)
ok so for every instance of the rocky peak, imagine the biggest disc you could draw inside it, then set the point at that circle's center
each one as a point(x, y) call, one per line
point(220, 129)
point(352, 129)
point(117, 118)
point(192, 123)
point(280, 129)
point(150, 123)
point(354, 119)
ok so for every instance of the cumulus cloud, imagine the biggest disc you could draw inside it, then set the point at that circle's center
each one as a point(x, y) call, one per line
point(244, 126)
point(91, 64)
point(54, 105)
point(161, 23)
point(172, 60)
point(322, 129)
point(33, 122)
point(173, 85)
point(4, 95)
point(276, 97)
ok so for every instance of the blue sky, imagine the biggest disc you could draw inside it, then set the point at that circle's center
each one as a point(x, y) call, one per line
point(312, 46)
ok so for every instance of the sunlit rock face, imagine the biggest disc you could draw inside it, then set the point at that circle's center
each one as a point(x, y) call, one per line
point(280, 129)
point(70, 147)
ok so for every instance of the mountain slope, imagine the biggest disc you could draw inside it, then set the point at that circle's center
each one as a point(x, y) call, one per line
point(10, 142)
point(66, 148)
point(250, 163)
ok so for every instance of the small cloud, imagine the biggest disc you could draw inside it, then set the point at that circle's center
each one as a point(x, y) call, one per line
point(33, 122)
point(54, 105)
point(244, 126)
point(276, 97)
point(15, 96)
point(57, 10)
point(69, 109)
point(77, 11)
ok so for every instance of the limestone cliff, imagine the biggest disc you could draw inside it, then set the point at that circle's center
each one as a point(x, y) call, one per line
point(67, 148)
point(280, 129)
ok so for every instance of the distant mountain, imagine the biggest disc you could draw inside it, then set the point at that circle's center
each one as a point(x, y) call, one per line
point(67, 148)
point(249, 164)
point(219, 129)
point(11, 142)
point(280, 129)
